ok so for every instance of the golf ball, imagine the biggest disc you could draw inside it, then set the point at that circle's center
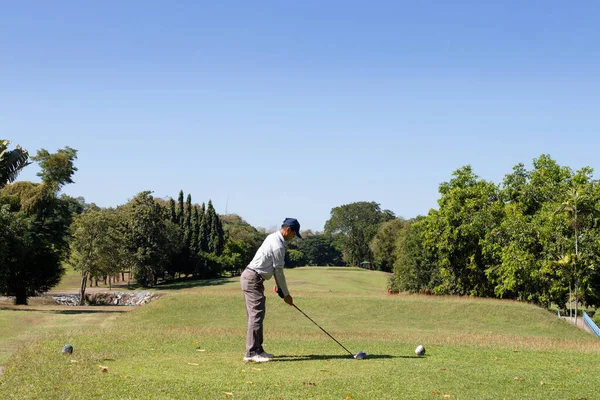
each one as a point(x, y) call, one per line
point(420, 350)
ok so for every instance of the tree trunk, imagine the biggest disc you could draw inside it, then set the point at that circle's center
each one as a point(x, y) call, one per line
point(576, 300)
point(570, 299)
point(20, 297)
point(109, 282)
point(82, 290)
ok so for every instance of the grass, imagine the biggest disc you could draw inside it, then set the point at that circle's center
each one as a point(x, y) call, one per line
point(22, 325)
point(189, 344)
point(71, 281)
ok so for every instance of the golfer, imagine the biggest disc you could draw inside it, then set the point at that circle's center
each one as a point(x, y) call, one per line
point(268, 261)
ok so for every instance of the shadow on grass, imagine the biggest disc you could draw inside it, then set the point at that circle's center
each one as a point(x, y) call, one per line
point(285, 358)
point(189, 283)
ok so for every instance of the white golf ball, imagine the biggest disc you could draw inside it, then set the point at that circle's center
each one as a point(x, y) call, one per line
point(420, 350)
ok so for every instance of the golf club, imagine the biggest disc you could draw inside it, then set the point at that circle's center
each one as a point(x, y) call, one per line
point(359, 356)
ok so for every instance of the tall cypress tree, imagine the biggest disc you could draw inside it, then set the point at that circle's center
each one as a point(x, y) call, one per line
point(173, 211)
point(195, 231)
point(216, 238)
point(204, 232)
point(180, 209)
point(188, 263)
point(188, 213)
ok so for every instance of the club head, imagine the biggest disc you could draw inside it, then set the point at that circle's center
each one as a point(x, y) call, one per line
point(360, 355)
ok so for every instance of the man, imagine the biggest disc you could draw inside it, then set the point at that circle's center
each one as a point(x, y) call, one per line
point(267, 262)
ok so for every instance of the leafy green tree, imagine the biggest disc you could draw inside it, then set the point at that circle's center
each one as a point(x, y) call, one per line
point(11, 162)
point(233, 255)
point(29, 262)
point(354, 226)
point(35, 228)
point(241, 242)
point(468, 209)
point(416, 268)
point(550, 212)
point(57, 169)
point(514, 250)
point(294, 258)
point(319, 249)
point(383, 245)
point(96, 247)
point(151, 238)
point(580, 219)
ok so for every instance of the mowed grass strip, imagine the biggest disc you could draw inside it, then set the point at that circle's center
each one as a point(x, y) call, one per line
point(189, 344)
point(20, 326)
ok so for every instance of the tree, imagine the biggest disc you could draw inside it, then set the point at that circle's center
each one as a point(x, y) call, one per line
point(29, 263)
point(550, 217)
point(354, 226)
point(294, 258)
point(11, 162)
point(514, 250)
point(383, 245)
point(241, 242)
point(216, 239)
point(232, 258)
point(188, 214)
point(195, 230)
point(204, 233)
point(96, 246)
point(180, 209)
point(318, 249)
point(172, 210)
point(468, 209)
point(36, 227)
point(151, 238)
point(580, 218)
point(57, 169)
point(415, 267)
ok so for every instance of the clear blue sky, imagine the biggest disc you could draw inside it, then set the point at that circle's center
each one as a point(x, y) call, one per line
point(279, 109)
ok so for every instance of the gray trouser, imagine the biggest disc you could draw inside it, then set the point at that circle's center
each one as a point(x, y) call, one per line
point(254, 295)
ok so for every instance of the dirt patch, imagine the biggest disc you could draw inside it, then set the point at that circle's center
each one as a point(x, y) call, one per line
point(1, 370)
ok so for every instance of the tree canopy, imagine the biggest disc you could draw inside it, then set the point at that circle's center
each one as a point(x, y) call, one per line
point(353, 226)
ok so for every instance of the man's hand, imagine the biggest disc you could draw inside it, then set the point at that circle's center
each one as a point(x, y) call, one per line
point(289, 300)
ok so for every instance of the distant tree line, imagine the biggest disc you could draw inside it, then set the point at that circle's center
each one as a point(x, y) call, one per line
point(533, 237)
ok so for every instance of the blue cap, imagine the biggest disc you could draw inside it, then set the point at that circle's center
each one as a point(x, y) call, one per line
point(294, 224)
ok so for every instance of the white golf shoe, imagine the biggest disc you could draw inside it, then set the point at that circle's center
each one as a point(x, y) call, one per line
point(257, 359)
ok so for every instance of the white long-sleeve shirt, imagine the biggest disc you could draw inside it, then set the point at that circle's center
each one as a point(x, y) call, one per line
point(269, 260)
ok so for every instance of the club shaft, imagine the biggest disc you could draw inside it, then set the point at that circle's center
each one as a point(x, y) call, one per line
point(311, 320)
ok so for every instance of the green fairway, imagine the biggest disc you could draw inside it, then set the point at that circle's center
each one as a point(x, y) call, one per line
point(189, 344)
